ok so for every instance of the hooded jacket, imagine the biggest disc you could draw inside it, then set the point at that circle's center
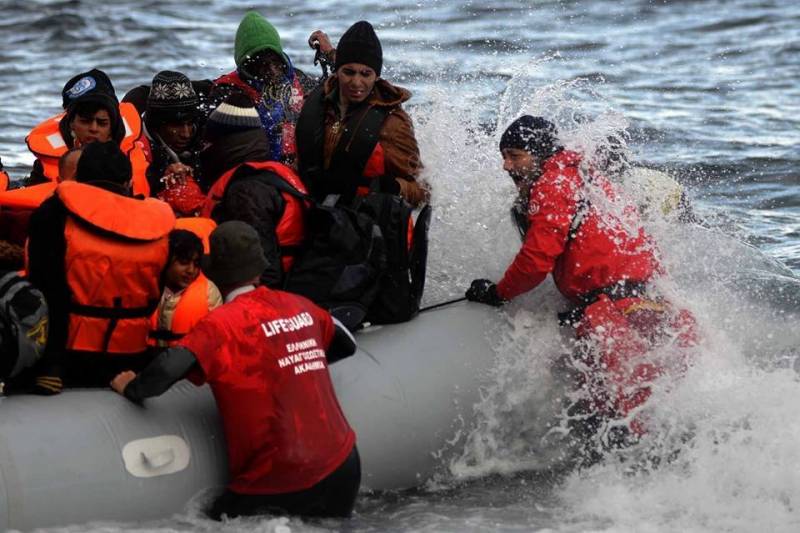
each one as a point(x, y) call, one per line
point(396, 154)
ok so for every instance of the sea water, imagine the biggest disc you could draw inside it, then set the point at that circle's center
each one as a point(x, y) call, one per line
point(707, 91)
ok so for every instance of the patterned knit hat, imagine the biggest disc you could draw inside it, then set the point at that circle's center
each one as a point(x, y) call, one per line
point(255, 34)
point(171, 97)
point(359, 44)
point(235, 114)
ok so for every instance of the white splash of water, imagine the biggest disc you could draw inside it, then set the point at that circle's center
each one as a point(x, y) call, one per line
point(725, 433)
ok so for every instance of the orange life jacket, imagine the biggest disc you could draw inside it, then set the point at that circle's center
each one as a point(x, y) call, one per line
point(116, 249)
point(4, 180)
point(192, 307)
point(200, 226)
point(290, 230)
point(47, 144)
point(27, 197)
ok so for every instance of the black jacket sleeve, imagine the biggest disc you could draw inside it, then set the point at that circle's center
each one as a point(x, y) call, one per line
point(260, 205)
point(342, 345)
point(46, 270)
point(164, 371)
point(37, 175)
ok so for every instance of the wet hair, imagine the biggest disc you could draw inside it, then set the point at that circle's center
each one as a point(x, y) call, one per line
point(184, 246)
point(88, 109)
point(103, 162)
point(11, 256)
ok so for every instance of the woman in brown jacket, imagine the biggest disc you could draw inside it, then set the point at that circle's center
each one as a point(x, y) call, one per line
point(352, 134)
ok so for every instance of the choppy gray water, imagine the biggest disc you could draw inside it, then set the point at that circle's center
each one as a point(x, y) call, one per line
point(711, 93)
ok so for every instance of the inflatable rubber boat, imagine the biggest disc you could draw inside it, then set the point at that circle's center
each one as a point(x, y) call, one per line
point(89, 455)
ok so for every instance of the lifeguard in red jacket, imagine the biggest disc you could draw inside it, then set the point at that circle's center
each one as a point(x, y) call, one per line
point(265, 354)
point(601, 260)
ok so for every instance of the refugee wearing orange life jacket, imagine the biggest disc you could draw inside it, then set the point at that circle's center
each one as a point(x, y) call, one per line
point(601, 262)
point(91, 113)
point(97, 254)
point(188, 295)
point(247, 186)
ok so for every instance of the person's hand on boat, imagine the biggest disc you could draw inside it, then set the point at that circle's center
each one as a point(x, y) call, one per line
point(484, 291)
point(121, 381)
point(48, 385)
point(320, 39)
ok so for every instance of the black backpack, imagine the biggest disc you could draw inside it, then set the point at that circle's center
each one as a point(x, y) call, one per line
point(403, 281)
point(338, 267)
point(23, 324)
point(340, 264)
point(356, 261)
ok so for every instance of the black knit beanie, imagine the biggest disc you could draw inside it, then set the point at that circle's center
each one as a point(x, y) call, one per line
point(359, 44)
point(535, 135)
point(92, 87)
point(103, 162)
point(172, 99)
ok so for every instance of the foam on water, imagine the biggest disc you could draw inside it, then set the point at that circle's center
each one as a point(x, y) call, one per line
point(731, 418)
point(724, 436)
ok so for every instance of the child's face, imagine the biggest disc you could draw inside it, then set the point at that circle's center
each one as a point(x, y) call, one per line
point(181, 273)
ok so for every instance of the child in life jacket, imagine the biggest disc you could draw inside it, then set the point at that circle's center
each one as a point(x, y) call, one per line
point(188, 295)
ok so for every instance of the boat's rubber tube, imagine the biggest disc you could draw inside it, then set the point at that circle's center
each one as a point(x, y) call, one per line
point(92, 455)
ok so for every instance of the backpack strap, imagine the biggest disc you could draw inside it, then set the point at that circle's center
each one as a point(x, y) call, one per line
point(270, 178)
point(358, 141)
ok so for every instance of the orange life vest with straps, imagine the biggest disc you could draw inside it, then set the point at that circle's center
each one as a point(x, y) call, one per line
point(192, 306)
point(200, 226)
point(4, 180)
point(116, 249)
point(290, 230)
point(47, 144)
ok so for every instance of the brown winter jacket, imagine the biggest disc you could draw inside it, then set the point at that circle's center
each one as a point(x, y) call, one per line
point(401, 153)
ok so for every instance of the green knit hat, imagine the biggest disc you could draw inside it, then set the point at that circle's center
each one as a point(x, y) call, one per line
point(255, 34)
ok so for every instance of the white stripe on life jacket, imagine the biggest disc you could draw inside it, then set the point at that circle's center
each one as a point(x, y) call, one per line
point(56, 140)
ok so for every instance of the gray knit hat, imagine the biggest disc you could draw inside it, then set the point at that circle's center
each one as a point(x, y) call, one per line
point(236, 254)
point(234, 115)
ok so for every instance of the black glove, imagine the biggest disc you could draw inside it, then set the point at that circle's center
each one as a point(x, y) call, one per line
point(388, 185)
point(484, 291)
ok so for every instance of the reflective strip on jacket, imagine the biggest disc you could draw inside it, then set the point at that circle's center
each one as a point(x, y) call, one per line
point(47, 144)
point(116, 249)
